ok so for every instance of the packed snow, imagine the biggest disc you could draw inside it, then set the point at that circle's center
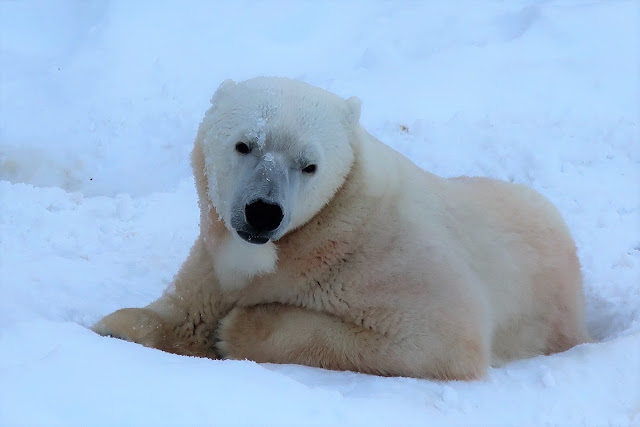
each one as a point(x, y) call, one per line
point(99, 105)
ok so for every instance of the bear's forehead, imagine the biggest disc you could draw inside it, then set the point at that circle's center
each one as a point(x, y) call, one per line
point(278, 126)
point(283, 138)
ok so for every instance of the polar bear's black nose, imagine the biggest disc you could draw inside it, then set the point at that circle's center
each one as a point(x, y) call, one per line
point(263, 216)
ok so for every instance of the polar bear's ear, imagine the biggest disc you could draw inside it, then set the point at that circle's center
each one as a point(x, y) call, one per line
point(224, 87)
point(353, 110)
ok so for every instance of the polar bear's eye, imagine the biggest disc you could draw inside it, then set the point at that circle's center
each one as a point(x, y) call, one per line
point(310, 169)
point(242, 148)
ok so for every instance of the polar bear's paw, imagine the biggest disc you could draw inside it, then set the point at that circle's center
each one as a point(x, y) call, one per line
point(244, 333)
point(137, 325)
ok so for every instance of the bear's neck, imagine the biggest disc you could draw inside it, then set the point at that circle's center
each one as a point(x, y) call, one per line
point(337, 232)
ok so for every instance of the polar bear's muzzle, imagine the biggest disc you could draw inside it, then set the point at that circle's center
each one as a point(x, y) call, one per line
point(259, 211)
point(263, 218)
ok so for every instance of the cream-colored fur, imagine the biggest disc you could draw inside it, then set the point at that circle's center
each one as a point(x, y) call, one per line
point(395, 272)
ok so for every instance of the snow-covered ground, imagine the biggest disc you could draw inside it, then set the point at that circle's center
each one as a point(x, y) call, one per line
point(99, 104)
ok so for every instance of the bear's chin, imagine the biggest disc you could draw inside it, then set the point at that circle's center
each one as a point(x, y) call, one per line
point(256, 240)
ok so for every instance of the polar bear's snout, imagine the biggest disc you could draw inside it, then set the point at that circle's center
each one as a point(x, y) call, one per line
point(260, 210)
point(263, 216)
point(259, 221)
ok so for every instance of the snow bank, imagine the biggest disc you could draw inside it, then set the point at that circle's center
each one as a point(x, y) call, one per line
point(99, 108)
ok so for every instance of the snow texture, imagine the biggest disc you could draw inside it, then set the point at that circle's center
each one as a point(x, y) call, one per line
point(99, 105)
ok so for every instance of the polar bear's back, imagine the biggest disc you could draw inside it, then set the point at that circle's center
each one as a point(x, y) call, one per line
point(526, 258)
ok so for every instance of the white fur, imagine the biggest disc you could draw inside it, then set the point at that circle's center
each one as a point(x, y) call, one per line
point(236, 262)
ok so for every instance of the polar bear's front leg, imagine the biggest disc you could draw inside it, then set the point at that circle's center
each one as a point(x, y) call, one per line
point(184, 320)
point(276, 333)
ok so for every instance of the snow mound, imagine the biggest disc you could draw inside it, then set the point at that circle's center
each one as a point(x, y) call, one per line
point(99, 107)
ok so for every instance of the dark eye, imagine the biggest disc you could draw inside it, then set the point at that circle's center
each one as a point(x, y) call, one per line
point(310, 169)
point(242, 148)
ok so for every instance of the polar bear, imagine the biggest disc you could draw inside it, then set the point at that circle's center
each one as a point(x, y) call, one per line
point(319, 245)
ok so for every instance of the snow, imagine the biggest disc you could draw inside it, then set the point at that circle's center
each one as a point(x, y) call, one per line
point(99, 104)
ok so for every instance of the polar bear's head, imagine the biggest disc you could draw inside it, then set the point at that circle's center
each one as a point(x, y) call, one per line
point(276, 151)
